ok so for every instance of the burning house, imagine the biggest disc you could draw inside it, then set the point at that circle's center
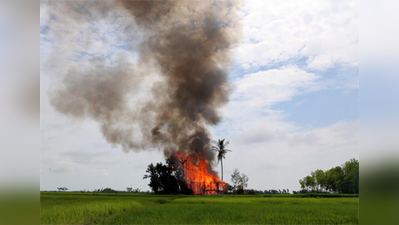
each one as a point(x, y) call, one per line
point(198, 175)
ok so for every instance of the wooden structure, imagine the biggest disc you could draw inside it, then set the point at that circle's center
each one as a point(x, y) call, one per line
point(212, 188)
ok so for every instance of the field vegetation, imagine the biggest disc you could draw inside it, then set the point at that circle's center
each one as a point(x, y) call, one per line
point(100, 208)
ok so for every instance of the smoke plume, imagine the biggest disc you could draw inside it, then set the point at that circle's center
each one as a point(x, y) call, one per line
point(187, 43)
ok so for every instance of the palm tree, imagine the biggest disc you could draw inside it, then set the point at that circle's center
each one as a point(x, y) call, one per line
point(220, 147)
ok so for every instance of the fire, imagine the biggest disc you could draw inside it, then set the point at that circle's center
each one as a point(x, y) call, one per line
point(198, 174)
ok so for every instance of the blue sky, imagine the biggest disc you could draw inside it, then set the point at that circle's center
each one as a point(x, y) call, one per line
point(321, 108)
point(294, 105)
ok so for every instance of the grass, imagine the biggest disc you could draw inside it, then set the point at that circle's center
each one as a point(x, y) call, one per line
point(314, 195)
point(19, 206)
point(87, 208)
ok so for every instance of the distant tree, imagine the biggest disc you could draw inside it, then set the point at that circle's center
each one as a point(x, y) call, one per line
point(163, 178)
point(129, 189)
point(302, 182)
point(251, 192)
point(240, 191)
point(320, 179)
point(235, 179)
point(221, 149)
point(240, 181)
point(244, 181)
point(108, 190)
point(334, 178)
point(154, 175)
point(310, 182)
point(350, 183)
point(274, 191)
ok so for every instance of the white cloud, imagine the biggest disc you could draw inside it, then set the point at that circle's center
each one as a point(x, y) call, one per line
point(340, 133)
point(249, 117)
point(254, 94)
point(100, 172)
point(265, 88)
point(325, 32)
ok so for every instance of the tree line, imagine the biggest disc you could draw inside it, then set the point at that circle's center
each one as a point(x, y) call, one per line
point(62, 188)
point(339, 179)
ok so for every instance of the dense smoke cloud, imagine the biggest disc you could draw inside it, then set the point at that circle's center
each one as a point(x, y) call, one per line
point(188, 44)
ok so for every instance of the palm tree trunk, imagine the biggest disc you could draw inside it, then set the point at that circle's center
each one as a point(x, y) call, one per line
point(221, 163)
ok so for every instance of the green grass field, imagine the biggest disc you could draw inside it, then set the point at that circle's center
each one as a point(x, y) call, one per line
point(89, 208)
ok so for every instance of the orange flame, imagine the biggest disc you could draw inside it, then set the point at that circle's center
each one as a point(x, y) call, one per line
point(200, 178)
